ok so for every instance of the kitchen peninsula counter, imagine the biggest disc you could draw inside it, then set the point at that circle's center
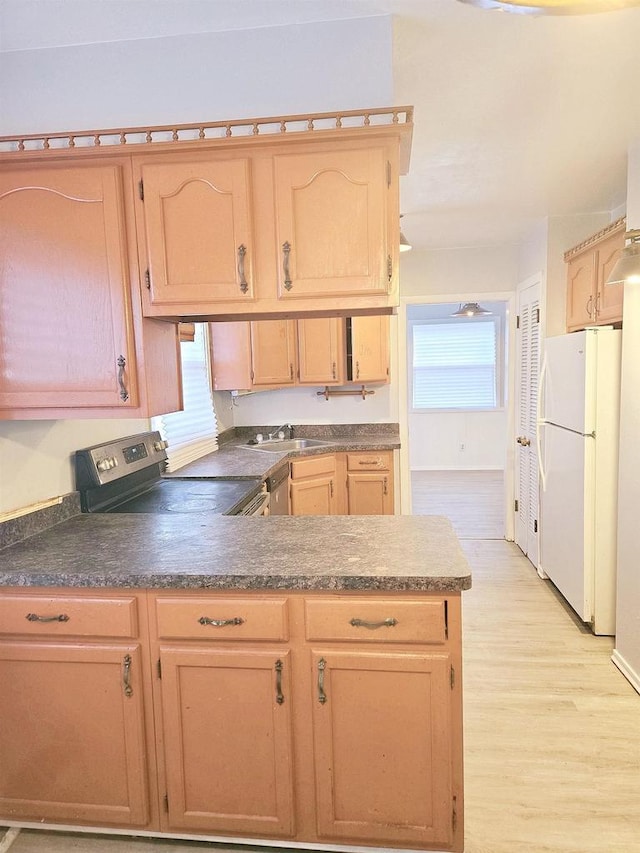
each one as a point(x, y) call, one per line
point(411, 553)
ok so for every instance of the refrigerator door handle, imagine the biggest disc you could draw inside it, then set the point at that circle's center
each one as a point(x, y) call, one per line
point(540, 423)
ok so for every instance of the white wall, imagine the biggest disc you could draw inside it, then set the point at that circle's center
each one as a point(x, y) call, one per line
point(627, 651)
point(343, 64)
point(36, 456)
point(464, 441)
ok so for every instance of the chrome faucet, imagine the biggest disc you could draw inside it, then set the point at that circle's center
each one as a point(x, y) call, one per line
point(276, 432)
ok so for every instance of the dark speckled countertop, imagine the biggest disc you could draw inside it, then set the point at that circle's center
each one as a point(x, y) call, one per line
point(415, 553)
point(233, 461)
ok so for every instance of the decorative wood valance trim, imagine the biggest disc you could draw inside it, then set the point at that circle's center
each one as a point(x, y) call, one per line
point(618, 225)
point(307, 124)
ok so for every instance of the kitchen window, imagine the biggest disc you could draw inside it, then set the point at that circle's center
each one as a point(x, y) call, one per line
point(193, 432)
point(456, 364)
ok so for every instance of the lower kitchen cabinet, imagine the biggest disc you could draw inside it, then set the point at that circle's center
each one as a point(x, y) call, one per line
point(314, 717)
point(370, 483)
point(313, 486)
point(382, 746)
point(72, 712)
point(227, 740)
point(320, 485)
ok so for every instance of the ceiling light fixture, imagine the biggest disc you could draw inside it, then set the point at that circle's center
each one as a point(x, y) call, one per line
point(471, 309)
point(627, 267)
point(554, 7)
point(405, 245)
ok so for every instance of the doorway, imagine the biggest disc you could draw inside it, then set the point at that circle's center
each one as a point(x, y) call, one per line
point(457, 415)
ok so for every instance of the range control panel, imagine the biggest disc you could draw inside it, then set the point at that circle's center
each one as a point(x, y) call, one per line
point(112, 460)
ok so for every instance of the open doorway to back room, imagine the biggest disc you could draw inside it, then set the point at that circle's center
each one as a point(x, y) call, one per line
point(457, 414)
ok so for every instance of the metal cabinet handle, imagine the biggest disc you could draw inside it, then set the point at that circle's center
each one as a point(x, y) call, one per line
point(291, 371)
point(331, 487)
point(361, 623)
point(61, 617)
point(286, 250)
point(122, 363)
point(589, 305)
point(279, 693)
point(126, 676)
point(597, 306)
point(357, 370)
point(322, 696)
point(242, 251)
point(333, 370)
point(385, 487)
point(220, 623)
point(368, 461)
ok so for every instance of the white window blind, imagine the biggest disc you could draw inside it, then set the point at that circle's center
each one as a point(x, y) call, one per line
point(193, 432)
point(455, 364)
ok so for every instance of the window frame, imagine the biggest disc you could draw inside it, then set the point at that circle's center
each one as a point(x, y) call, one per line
point(500, 391)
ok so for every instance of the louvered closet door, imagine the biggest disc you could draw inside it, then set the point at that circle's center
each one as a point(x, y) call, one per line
point(526, 455)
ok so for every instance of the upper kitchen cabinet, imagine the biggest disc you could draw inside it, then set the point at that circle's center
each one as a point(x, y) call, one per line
point(331, 220)
point(73, 342)
point(590, 300)
point(196, 214)
point(368, 349)
point(293, 218)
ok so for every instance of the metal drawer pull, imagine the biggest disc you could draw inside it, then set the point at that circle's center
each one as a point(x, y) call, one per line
point(386, 623)
point(220, 623)
point(357, 370)
point(369, 462)
point(33, 617)
point(122, 363)
point(385, 488)
point(286, 250)
point(242, 251)
point(322, 696)
point(126, 676)
point(279, 694)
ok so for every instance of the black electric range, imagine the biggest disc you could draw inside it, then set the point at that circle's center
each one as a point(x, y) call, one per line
point(125, 476)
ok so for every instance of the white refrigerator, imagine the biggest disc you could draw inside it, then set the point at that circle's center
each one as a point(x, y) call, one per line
point(578, 426)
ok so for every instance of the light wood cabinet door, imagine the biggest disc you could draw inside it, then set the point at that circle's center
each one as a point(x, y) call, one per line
point(581, 291)
point(273, 353)
point(66, 329)
point(609, 297)
point(72, 736)
point(321, 351)
point(230, 348)
point(331, 223)
point(383, 745)
point(227, 740)
point(197, 229)
point(370, 493)
point(369, 354)
point(314, 485)
point(316, 496)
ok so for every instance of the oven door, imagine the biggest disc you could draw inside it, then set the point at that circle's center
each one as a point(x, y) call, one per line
point(258, 505)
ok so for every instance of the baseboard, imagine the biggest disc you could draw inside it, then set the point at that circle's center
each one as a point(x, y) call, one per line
point(462, 468)
point(632, 677)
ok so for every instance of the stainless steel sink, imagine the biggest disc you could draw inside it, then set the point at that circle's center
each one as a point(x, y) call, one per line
point(286, 444)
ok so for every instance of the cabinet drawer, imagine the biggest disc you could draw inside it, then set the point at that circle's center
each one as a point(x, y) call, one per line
point(376, 621)
point(222, 619)
point(68, 616)
point(378, 461)
point(314, 466)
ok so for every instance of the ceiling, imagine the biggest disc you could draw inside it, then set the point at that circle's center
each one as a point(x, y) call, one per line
point(517, 117)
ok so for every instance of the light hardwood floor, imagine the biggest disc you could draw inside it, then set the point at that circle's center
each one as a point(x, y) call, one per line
point(473, 500)
point(552, 729)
